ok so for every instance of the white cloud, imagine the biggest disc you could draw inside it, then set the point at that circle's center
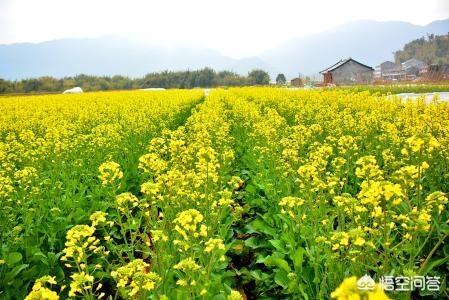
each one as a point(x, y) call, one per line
point(235, 27)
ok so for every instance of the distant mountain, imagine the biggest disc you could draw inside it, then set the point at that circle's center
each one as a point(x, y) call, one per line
point(109, 55)
point(370, 42)
point(242, 66)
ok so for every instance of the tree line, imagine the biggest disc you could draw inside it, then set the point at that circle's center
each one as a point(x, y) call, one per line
point(204, 78)
point(433, 49)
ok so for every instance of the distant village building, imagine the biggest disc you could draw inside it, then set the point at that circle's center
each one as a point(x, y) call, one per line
point(408, 70)
point(393, 74)
point(435, 72)
point(382, 68)
point(388, 71)
point(412, 68)
point(297, 82)
point(347, 71)
point(412, 64)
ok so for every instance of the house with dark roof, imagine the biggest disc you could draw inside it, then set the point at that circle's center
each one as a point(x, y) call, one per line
point(383, 67)
point(297, 82)
point(348, 71)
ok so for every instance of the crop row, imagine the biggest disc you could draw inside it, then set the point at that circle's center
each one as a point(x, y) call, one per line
point(50, 150)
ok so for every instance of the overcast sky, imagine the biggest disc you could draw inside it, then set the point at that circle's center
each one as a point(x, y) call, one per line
point(235, 27)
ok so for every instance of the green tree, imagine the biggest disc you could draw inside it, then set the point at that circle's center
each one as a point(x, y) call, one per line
point(258, 77)
point(206, 77)
point(280, 79)
point(49, 84)
point(5, 86)
point(433, 49)
point(68, 83)
point(32, 85)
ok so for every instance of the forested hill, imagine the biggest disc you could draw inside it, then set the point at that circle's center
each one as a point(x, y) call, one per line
point(433, 49)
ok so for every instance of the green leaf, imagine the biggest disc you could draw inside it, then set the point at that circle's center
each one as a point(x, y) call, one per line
point(39, 256)
point(278, 262)
point(298, 258)
point(250, 188)
point(14, 257)
point(259, 226)
point(446, 250)
point(433, 264)
point(59, 273)
point(279, 245)
point(261, 258)
point(444, 228)
point(281, 278)
point(14, 272)
point(259, 275)
point(255, 242)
